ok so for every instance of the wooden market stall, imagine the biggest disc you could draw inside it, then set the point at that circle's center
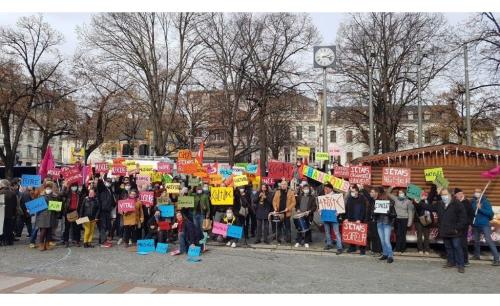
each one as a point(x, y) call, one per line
point(462, 166)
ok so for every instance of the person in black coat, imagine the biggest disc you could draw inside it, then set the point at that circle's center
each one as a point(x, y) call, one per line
point(72, 202)
point(262, 205)
point(10, 212)
point(107, 202)
point(373, 240)
point(305, 203)
point(452, 223)
point(24, 217)
point(356, 211)
point(189, 234)
point(469, 212)
point(90, 208)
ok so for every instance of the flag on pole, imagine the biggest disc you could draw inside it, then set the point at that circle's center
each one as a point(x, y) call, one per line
point(47, 163)
point(199, 155)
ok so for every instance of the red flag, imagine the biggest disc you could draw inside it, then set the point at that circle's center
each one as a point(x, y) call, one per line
point(47, 163)
point(199, 155)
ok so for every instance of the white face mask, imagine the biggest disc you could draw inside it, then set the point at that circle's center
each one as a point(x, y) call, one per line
point(229, 215)
point(477, 195)
point(199, 191)
point(107, 184)
point(354, 194)
point(74, 188)
point(80, 188)
point(306, 191)
point(401, 195)
point(48, 191)
point(127, 188)
point(242, 190)
point(446, 199)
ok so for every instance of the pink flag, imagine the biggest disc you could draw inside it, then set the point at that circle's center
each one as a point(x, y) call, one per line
point(47, 163)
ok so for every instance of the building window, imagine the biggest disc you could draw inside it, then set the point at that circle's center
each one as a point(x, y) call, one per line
point(410, 115)
point(287, 154)
point(312, 154)
point(365, 154)
point(333, 136)
point(299, 133)
point(348, 157)
point(113, 151)
point(427, 136)
point(312, 131)
point(348, 136)
point(30, 151)
point(411, 136)
point(427, 115)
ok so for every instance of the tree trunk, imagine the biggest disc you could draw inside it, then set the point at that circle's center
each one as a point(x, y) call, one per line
point(262, 137)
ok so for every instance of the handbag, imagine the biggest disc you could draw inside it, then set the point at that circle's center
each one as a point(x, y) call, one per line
point(243, 211)
point(207, 224)
point(425, 219)
point(72, 216)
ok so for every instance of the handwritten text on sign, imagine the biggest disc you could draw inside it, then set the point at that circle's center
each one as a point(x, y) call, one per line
point(278, 169)
point(72, 175)
point(268, 181)
point(101, 167)
point(360, 175)
point(397, 177)
point(186, 166)
point(119, 170)
point(55, 205)
point(164, 167)
point(185, 202)
point(36, 205)
point(146, 245)
point(342, 172)
point(147, 198)
point(414, 192)
point(382, 206)
point(173, 187)
point(430, 174)
point(332, 202)
point(219, 229)
point(303, 151)
point(221, 195)
point(31, 180)
point(54, 173)
point(125, 206)
point(354, 233)
point(240, 180)
point(184, 154)
point(322, 156)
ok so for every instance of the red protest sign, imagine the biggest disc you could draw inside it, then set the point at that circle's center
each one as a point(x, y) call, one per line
point(119, 170)
point(164, 167)
point(278, 170)
point(342, 172)
point(147, 198)
point(101, 167)
point(354, 233)
point(397, 177)
point(360, 175)
point(186, 166)
point(127, 205)
point(268, 181)
point(72, 175)
point(54, 173)
point(164, 225)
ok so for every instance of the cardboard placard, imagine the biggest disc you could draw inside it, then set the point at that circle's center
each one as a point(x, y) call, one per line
point(162, 248)
point(166, 211)
point(31, 180)
point(430, 174)
point(37, 205)
point(382, 207)
point(173, 188)
point(55, 205)
point(142, 180)
point(354, 233)
point(334, 150)
point(119, 170)
point(278, 170)
point(225, 172)
point(194, 251)
point(268, 181)
point(332, 202)
point(164, 167)
point(397, 177)
point(185, 202)
point(235, 231)
point(360, 175)
point(194, 181)
point(145, 245)
point(101, 167)
point(147, 198)
point(162, 200)
point(328, 215)
point(342, 172)
point(322, 156)
point(127, 205)
point(215, 179)
point(219, 229)
point(186, 166)
point(303, 151)
point(184, 154)
point(82, 220)
point(222, 195)
point(414, 192)
point(240, 180)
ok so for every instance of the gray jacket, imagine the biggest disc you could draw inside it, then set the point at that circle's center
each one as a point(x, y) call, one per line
point(404, 208)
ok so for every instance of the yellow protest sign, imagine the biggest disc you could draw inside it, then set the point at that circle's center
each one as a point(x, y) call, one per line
point(156, 177)
point(55, 205)
point(303, 151)
point(215, 179)
point(432, 173)
point(145, 168)
point(76, 155)
point(240, 180)
point(221, 195)
point(173, 187)
point(322, 156)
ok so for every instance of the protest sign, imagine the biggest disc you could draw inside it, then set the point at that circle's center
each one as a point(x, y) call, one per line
point(322, 156)
point(166, 178)
point(82, 220)
point(162, 248)
point(166, 211)
point(396, 177)
point(131, 165)
point(37, 205)
point(382, 207)
point(164, 167)
point(354, 233)
point(328, 215)
point(145, 245)
point(147, 198)
point(215, 179)
point(194, 251)
point(219, 229)
point(241, 165)
point(127, 205)
point(235, 231)
point(221, 195)
point(194, 181)
point(268, 181)
point(332, 202)
point(342, 172)
point(156, 177)
point(145, 168)
point(119, 170)
point(225, 172)
point(174, 188)
point(72, 175)
point(303, 151)
point(251, 168)
point(340, 184)
point(184, 154)
point(185, 202)
point(440, 181)
point(186, 166)
point(162, 200)
point(414, 192)
point(163, 225)
point(360, 175)
point(31, 180)
point(55, 205)
point(334, 150)
point(142, 180)
point(101, 167)
point(278, 170)
point(54, 173)
point(430, 174)
point(240, 180)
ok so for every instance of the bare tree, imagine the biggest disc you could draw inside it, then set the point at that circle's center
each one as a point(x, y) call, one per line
point(32, 47)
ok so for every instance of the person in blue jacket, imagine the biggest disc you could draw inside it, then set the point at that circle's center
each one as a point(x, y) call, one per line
point(483, 215)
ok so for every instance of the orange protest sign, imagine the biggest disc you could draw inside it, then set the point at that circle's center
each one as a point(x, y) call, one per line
point(184, 154)
point(186, 166)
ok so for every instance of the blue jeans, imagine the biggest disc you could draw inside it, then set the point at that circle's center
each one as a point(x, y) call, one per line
point(34, 233)
point(198, 220)
point(328, 232)
point(454, 251)
point(486, 230)
point(182, 243)
point(384, 232)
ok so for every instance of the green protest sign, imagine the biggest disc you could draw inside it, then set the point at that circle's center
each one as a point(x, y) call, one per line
point(55, 205)
point(185, 202)
point(414, 192)
point(431, 174)
point(194, 181)
point(322, 156)
point(166, 179)
point(440, 181)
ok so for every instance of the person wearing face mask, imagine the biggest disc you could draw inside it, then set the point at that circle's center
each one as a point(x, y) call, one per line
point(107, 202)
point(241, 209)
point(188, 234)
point(230, 219)
point(46, 220)
point(262, 205)
point(332, 226)
point(373, 240)
point(121, 194)
point(481, 224)
point(25, 218)
point(201, 209)
point(460, 196)
point(356, 211)
point(72, 200)
point(132, 220)
point(405, 212)
point(90, 208)
point(452, 222)
point(385, 223)
point(424, 219)
point(284, 202)
point(10, 211)
point(305, 203)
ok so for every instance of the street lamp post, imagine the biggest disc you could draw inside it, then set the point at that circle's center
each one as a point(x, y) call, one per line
point(370, 94)
point(419, 98)
point(467, 96)
point(325, 117)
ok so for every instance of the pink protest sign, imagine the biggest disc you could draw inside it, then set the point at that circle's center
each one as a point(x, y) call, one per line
point(54, 173)
point(127, 205)
point(164, 167)
point(72, 175)
point(360, 175)
point(119, 170)
point(397, 177)
point(268, 181)
point(219, 228)
point(101, 167)
point(147, 198)
point(342, 172)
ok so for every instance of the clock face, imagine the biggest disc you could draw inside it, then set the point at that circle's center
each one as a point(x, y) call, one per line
point(324, 57)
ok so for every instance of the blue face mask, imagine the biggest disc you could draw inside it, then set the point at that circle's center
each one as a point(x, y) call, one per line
point(446, 199)
point(401, 196)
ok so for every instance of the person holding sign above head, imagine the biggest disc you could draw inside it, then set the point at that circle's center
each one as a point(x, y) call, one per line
point(283, 203)
point(132, 220)
point(262, 206)
point(385, 213)
point(90, 208)
point(356, 210)
point(405, 212)
point(332, 225)
point(305, 206)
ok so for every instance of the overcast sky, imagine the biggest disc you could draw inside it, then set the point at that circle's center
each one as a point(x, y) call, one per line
point(66, 23)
